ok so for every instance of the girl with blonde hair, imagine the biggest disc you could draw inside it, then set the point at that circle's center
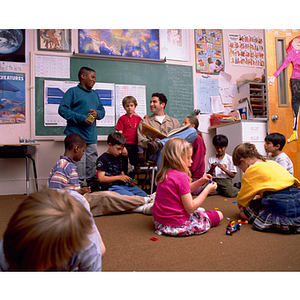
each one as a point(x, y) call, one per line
point(175, 212)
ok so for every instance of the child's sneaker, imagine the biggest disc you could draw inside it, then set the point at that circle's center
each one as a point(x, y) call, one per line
point(148, 209)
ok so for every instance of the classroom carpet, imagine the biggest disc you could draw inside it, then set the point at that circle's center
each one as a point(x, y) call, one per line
point(130, 247)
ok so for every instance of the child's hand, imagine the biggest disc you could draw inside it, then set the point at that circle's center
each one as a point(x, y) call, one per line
point(125, 178)
point(207, 177)
point(212, 186)
point(125, 152)
point(84, 190)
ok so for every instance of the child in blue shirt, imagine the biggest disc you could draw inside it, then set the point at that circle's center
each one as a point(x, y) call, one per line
point(81, 106)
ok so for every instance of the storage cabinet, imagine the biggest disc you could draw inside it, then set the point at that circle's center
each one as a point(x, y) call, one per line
point(257, 95)
point(251, 131)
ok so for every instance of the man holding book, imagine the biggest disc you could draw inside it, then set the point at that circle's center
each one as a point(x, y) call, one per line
point(163, 128)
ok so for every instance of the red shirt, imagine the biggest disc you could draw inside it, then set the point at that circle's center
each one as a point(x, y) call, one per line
point(128, 125)
point(199, 150)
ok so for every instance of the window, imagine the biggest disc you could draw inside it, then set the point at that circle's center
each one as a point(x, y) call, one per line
point(283, 95)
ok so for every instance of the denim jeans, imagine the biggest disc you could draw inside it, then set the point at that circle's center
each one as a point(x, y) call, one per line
point(128, 190)
point(284, 203)
point(188, 134)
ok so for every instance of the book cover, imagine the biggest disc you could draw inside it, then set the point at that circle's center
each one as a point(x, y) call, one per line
point(153, 133)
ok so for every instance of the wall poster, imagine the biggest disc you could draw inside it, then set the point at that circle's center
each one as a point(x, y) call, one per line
point(209, 51)
point(246, 50)
point(12, 98)
point(139, 43)
point(54, 39)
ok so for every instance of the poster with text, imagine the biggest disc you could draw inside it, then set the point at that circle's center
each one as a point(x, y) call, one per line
point(12, 98)
point(209, 51)
point(246, 50)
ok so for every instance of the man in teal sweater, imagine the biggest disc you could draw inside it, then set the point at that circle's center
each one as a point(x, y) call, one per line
point(81, 106)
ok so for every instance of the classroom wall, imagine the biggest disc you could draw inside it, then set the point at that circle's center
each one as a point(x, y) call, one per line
point(12, 174)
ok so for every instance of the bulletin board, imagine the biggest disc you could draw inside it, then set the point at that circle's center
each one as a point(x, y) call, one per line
point(175, 81)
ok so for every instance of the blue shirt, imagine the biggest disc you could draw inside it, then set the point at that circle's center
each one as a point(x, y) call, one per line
point(75, 107)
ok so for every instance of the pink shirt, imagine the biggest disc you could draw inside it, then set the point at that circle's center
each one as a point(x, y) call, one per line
point(292, 57)
point(128, 125)
point(199, 150)
point(168, 208)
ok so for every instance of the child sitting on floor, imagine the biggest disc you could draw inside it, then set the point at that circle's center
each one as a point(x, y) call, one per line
point(274, 144)
point(52, 230)
point(110, 172)
point(64, 174)
point(175, 212)
point(222, 169)
point(269, 197)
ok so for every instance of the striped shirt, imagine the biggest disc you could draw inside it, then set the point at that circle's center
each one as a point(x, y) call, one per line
point(64, 175)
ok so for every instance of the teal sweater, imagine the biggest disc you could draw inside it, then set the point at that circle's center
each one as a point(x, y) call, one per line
point(75, 107)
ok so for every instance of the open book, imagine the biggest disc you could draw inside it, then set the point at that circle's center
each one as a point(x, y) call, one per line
point(153, 133)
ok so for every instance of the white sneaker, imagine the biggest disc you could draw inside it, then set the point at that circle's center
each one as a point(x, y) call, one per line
point(148, 209)
point(151, 198)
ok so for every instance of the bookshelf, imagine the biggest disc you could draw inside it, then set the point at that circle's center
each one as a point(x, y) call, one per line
point(257, 95)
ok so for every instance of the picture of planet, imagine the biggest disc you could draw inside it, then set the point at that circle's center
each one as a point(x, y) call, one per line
point(10, 40)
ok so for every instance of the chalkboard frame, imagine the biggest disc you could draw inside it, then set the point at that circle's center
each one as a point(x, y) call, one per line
point(175, 81)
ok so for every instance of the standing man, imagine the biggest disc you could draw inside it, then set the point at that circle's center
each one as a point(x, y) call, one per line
point(164, 123)
point(81, 106)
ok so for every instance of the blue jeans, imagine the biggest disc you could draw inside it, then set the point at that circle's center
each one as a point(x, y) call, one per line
point(285, 203)
point(188, 134)
point(128, 190)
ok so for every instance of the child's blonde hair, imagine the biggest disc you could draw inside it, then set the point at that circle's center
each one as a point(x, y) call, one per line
point(173, 153)
point(45, 232)
point(245, 150)
point(129, 99)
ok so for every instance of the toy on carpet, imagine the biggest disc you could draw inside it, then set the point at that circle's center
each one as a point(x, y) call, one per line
point(233, 227)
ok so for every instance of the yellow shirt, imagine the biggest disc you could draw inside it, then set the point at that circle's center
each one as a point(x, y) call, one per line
point(264, 176)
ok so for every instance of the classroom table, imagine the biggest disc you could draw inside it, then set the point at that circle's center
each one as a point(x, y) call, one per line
point(22, 150)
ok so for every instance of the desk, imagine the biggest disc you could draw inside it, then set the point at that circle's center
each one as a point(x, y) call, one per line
point(18, 151)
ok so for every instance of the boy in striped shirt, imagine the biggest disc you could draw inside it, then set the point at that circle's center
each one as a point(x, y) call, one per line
point(64, 174)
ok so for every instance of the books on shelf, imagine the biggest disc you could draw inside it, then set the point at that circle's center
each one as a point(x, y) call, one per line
point(153, 133)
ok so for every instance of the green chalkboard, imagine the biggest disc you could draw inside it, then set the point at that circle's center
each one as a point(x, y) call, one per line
point(175, 81)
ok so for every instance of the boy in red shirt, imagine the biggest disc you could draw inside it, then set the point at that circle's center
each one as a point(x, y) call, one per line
point(127, 125)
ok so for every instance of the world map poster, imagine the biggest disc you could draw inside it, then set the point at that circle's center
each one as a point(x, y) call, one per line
point(138, 43)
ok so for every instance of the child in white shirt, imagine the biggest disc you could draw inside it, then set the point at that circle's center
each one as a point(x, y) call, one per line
point(221, 167)
point(274, 143)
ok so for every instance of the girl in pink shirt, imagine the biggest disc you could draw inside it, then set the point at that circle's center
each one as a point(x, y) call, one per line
point(175, 212)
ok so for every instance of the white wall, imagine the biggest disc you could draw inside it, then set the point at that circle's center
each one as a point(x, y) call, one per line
point(12, 171)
